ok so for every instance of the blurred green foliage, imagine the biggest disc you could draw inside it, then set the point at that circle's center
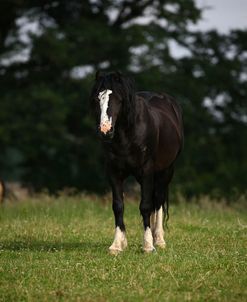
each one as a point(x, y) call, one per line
point(47, 135)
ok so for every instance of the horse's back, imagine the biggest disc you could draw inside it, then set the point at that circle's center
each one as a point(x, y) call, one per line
point(148, 95)
point(164, 105)
point(167, 115)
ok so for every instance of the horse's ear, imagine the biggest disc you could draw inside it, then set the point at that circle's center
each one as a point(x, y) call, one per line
point(99, 74)
point(119, 73)
point(118, 76)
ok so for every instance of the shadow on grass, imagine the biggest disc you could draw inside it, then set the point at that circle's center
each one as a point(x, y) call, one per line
point(47, 246)
point(93, 247)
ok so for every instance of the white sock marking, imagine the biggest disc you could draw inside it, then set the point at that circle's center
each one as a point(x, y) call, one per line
point(119, 242)
point(159, 219)
point(153, 221)
point(159, 232)
point(148, 241)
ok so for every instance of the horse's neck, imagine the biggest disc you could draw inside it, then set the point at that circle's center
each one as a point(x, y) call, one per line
point(127, 134)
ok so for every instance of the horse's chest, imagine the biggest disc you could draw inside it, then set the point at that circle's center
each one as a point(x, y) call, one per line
point(128, 158)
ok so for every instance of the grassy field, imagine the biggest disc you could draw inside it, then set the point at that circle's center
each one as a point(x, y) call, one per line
point(57, 250)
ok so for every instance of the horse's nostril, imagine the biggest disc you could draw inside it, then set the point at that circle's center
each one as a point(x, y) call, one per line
point(105, 126)
point(107, 135)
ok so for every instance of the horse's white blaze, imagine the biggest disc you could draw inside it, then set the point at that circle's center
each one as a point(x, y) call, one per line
point(119, 242)
point(105, 120)
point(148, 241)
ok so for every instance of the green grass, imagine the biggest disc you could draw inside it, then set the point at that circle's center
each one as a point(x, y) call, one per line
point(57, 249)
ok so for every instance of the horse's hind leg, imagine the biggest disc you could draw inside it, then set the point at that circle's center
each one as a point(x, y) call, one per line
point(153, 221)
point(158, 231)
point(146, 208)
point(160, 199)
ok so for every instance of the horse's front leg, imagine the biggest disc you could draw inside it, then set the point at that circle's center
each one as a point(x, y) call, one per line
point(146, 208)
point(120, 241)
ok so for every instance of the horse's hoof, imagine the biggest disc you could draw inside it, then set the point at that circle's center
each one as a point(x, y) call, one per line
point(149, 250)
point(161, 245)
point(124, 244)
point(159, 241)
point(115, 252)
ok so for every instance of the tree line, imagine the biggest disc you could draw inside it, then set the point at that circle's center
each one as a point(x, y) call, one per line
point(49, 53)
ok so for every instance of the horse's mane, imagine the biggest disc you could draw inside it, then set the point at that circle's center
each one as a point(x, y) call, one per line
point(120, 85)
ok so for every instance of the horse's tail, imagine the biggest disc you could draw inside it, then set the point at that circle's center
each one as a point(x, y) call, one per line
point(162, 201)
point(161, 191)
point(165, 206)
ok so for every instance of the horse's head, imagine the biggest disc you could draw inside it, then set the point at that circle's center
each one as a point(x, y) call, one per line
point(112, 100)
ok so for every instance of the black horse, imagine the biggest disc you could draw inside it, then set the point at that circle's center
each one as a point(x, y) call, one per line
point(142, 135)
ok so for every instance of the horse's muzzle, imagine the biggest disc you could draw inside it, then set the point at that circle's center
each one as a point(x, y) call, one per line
point(107, 135)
